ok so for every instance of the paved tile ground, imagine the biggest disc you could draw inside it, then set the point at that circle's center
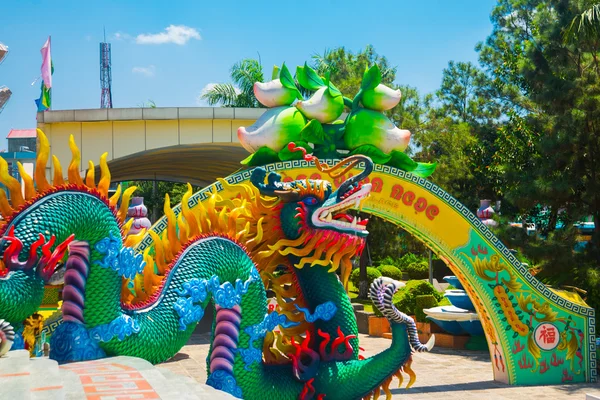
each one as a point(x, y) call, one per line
point(441, 374)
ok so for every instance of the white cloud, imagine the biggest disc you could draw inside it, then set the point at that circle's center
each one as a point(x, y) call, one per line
point(208, 87)
point(88, 38)
point(178, 34)
point(199, 100)
point(148, 71)
point(120, 36)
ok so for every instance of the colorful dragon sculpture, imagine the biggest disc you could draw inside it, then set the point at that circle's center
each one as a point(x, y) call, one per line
point(295, 239)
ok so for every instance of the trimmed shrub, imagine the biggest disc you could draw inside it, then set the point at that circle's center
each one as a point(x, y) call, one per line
point(406, 260)
point(444, 302)
point(421, 303)
point(417, 270)
point(405, 299)
point(390, 271)
point(372, 274)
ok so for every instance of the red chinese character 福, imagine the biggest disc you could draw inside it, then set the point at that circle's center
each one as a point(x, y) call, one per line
point(548, 335)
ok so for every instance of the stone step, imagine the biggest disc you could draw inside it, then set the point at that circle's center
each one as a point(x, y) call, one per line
point(46, 380)
point(25, 378)
point(362, 320)
point(133, 377)
point(201, 390)
point(43, 379)
point(72, 385)
point(15, 361)
point(14, 375)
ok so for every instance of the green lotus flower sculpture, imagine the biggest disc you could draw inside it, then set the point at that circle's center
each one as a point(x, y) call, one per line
point(274, 129)
point(367, 127)
point(381, 98)
point(313, 123)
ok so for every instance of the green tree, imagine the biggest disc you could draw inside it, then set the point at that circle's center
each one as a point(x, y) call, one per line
point(543, 58)
point(154, 193)
point(554, 85)
point(586, 24)
point(465, 94)
point(240, 93)
point(347, 68)
point(457, 127)
point(411, 112)
point(449, 143)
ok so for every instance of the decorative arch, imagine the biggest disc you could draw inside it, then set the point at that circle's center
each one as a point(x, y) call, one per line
point(535, 335)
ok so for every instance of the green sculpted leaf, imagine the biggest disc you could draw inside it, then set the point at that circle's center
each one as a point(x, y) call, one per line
point(334, 90)
point(325, 152)
point(378, 156)
point(371, 78)
point(308, 78)
point(402, 161)
point(424, 169)
point(286, 155)
point(287, 80)
point(275, 74)
point(334, 130)
point(263, 156)
point(313, 132)
point(326, 77)
point(286, 77)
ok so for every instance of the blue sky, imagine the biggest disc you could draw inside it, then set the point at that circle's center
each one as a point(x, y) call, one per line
point(171, 66)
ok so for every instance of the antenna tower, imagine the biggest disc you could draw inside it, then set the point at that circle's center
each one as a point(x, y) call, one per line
point(105, 75)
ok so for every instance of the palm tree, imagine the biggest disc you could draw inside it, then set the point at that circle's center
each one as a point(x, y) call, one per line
point(585, 25)
point(240, 93)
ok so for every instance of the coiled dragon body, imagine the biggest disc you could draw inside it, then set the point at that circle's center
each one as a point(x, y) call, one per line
point(295, 239)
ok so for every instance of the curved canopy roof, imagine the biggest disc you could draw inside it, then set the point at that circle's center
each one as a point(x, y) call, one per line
point(199, 164)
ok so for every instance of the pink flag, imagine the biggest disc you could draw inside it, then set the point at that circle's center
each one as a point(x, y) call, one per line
point(47, 64)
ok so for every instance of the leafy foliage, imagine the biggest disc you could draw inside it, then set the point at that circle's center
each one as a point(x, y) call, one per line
point(417, 270)
point(154, 195)
point(348, 68)
point(424, 302)
point(372, 274)
point(390, 271)
point(405, 299)
point(388, 241)
point(542, 57)
point(240, 93)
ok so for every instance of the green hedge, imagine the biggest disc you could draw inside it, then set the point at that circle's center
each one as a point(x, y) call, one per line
point(423, 302)
point(390, 271)
point(372, 274)
point(408, 259)
point(417, 270)
point(405, 299)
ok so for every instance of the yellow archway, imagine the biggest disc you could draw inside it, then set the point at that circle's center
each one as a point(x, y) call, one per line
point(535, 335)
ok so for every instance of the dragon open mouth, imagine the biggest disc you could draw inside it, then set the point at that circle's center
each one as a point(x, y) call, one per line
point(336, 216)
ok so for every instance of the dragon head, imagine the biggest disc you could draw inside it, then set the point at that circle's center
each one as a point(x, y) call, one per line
point(313, 208)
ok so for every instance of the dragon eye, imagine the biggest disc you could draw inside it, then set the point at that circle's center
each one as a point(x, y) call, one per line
point(310, 201)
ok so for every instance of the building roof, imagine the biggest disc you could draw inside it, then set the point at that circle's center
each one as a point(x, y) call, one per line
point(21, 133)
